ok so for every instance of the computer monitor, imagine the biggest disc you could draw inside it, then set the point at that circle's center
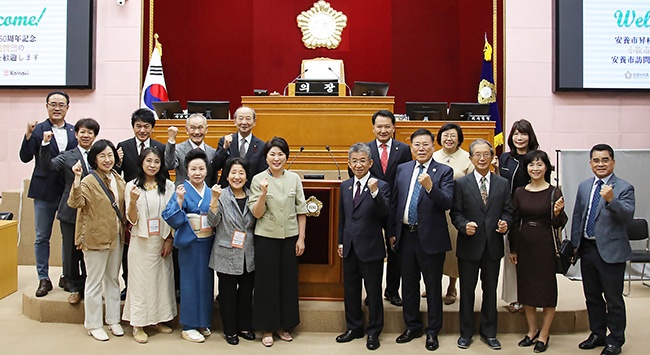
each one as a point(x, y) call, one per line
point(167, 109)
point(426, 111)
point(462, 111)
point(368, 88)
point(210, 109)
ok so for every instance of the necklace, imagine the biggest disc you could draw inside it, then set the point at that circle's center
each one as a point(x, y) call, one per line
point(150, 187)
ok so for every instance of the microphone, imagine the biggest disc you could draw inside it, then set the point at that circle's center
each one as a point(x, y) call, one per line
point(302, 147)
point(337, 164)
point(294, 79)
point(338, 77)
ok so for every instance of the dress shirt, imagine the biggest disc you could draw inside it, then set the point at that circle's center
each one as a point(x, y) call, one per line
point(363, 181)
point(591, 197)
point(478, 177)
point(194, 146)
point(414, 178)
point(147, 144)
point(247, 141)
point(380, 149)
point(61, 136)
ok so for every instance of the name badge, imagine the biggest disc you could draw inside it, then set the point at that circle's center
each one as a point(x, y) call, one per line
point(153, 226)
point(205, 226)
point(238, 239)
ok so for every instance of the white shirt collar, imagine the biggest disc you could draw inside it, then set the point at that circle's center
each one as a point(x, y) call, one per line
point(478, 177)
point(194, 146)
point(363, 180)
point(388, 144)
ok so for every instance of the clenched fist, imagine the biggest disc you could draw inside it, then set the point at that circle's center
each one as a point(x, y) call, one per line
point(227, 140)
point(264, 185)
point(470, 228)
point(77, 169)
point(172, 131)
point(134, 193)
point(372, 184)
point(47, 136)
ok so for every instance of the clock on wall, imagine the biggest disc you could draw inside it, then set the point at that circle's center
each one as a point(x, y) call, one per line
point(321, 26)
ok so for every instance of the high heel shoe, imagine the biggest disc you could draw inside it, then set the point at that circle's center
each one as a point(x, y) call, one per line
point(527, 341)
point(540, 346)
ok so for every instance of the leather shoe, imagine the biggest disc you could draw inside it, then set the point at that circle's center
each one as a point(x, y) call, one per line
point(408, 335)
point(348, 336)
point(395, 299)
point(232, 339)
point(592, 342)
point(464, 343)
point(492, 343)
point(527, 341)
point(44, 286)
point(74, 298)
point(248, 335)
point(611, 350)
point(63, 283)
point(432, 342)
point(541, 346)
point(373, 342)
point(123, 294)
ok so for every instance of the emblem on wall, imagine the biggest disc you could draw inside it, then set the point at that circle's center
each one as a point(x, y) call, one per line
point(314, 206)
point(321, 26)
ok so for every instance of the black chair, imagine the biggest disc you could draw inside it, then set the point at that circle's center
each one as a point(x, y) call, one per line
point(637, 230)
point(6, 216)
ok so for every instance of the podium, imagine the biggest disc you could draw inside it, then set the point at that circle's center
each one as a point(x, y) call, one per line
point(8, 257)
point(320, 273)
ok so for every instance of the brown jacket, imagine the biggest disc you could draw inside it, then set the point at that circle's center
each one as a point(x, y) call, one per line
point(97, 224)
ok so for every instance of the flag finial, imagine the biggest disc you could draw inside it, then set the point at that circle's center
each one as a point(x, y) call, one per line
point(158, 44)
point(487, 50)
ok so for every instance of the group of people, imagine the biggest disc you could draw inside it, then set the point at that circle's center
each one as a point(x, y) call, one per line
point(236, 210)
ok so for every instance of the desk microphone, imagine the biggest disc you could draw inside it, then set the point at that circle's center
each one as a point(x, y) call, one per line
point(302, 147)
point(337, 164)
point(294, 79)
point(338, 77)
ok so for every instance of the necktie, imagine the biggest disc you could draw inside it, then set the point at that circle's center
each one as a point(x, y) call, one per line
point(242, 148)
point(484, 192)
point(384, 158)
point(141, 147)
point(88, 168)
point(591, 219)
point(357, 194)
point(415, 195)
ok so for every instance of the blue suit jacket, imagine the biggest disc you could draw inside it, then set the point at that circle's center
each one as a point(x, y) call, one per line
point(432, 222)
point(611, 219)
point(361, 225)
point(44, 185)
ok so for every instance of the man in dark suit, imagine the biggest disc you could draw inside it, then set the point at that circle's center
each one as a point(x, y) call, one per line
point(232, 144)
point(74, 268)
point(143, 122)
point(387, 153)
point(604, 206)
point(46, 188)
point(482, 212)
point(363, 206)
point(196, 127)
point(422, 193)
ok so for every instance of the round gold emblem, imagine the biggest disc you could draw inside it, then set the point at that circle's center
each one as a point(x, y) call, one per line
point(321, 26)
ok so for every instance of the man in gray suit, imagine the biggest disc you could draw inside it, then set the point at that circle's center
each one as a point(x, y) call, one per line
point(604, 206)
point(482, 213)
point(196, 127)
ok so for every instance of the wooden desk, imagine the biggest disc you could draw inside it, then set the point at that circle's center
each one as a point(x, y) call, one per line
point(8, 257)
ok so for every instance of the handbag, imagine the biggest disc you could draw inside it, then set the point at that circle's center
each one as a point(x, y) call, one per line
point(564, 257)
point(125, 223)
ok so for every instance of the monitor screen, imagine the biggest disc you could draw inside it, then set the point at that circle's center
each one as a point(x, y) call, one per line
point(368, 88)
point(426, 111)
point(210, 109)
point(167, 109)
point(461, 111)
point(47, 44)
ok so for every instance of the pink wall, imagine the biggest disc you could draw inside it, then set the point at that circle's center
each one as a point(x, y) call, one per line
point(111, 103)
point(562, 120)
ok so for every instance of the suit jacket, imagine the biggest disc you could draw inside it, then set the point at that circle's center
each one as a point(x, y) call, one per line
point(468, 207)
point(399, 153)
point(433, 233)
point(175, 158)
point(63, 164)
point(360, 225)
point(255, 157)
point(44, 185)
point(611, 219)
point(129, 165)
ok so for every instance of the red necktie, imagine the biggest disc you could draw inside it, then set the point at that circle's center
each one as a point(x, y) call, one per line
point(384, 158)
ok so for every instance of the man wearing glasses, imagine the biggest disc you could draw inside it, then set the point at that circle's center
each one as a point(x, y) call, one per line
point(482, 213)
point(46, 188)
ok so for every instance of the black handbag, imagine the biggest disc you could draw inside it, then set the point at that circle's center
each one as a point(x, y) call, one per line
point(564, 257)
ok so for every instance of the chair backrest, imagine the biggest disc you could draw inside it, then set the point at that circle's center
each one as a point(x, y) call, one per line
point(637, 229)
point(6, 216)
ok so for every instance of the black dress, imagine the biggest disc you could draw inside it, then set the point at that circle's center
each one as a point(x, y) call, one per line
point(532, 239)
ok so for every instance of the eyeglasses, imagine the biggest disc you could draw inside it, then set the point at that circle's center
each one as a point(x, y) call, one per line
point(447, 136)
point(57, 104)
point(360, 161)
point(421, 145)
point(484, 155)
point(603, 160)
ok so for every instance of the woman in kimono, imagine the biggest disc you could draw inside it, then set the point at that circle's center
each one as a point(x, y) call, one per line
point(150, 298)
point(187, 213)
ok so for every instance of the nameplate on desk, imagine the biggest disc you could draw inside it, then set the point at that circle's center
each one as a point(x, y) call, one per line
point(318, 87)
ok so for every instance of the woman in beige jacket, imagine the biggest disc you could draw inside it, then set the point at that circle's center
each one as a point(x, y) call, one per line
point(100, 235)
